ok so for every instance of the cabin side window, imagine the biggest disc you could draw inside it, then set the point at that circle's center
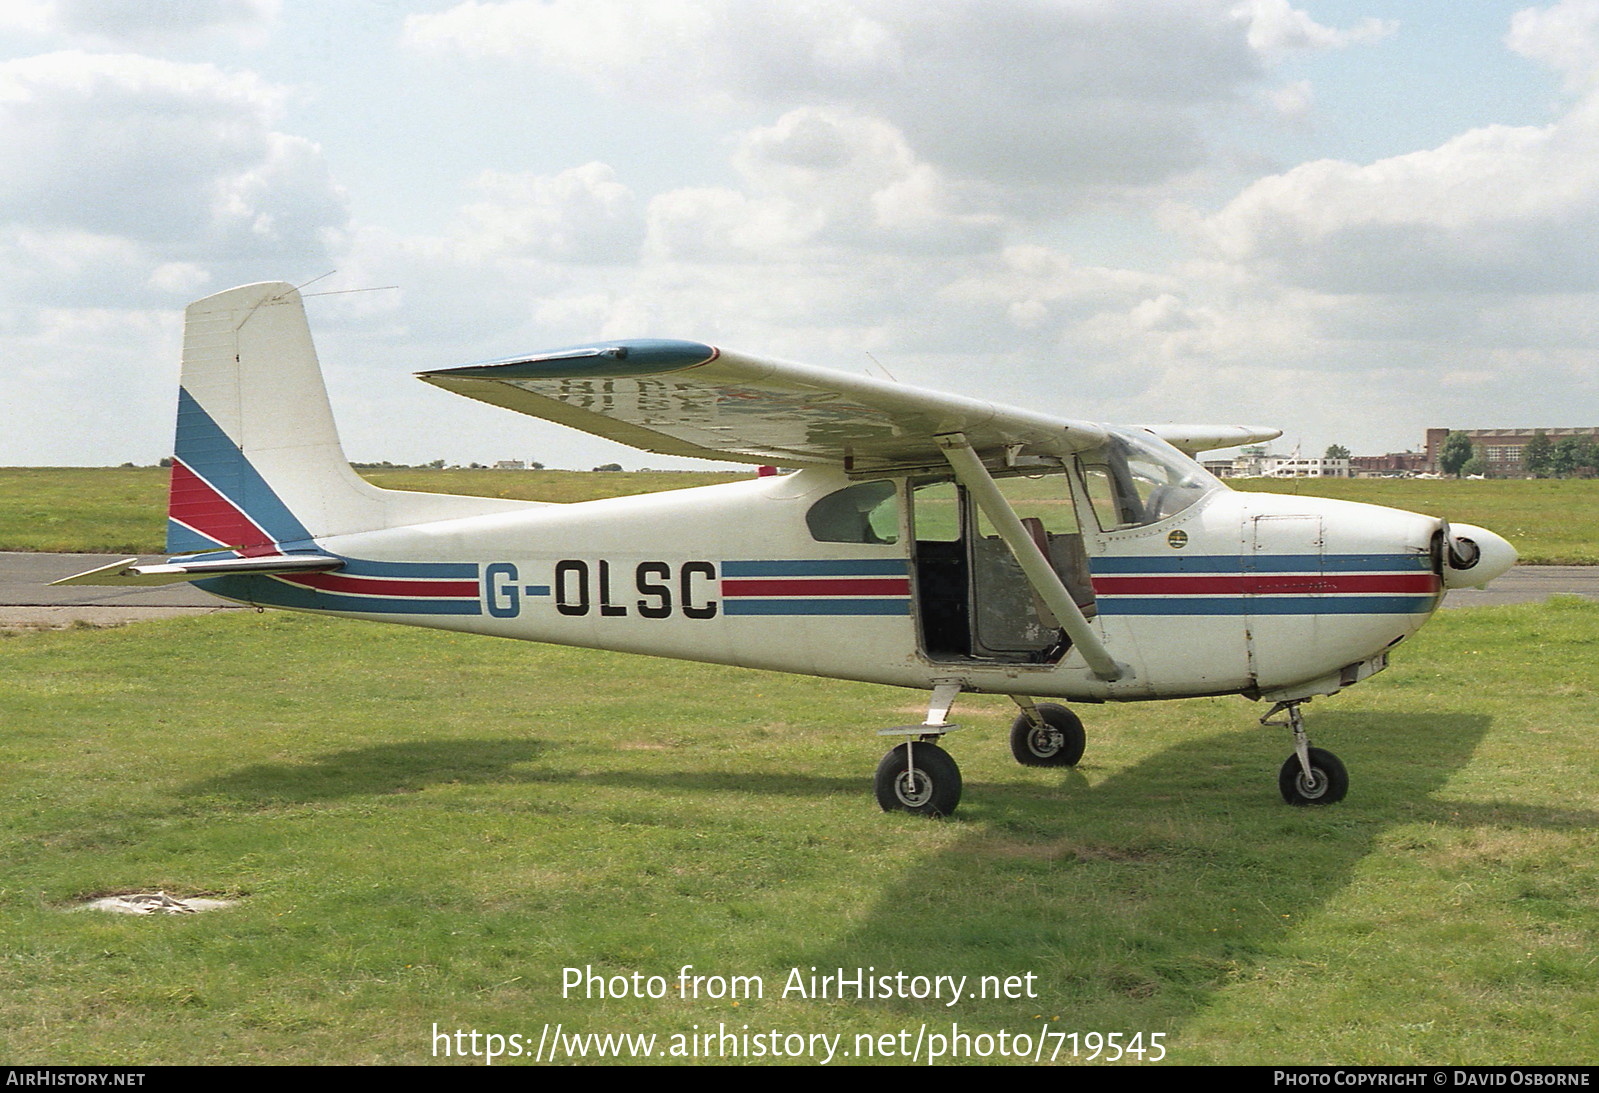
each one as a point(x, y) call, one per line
point(863, 513)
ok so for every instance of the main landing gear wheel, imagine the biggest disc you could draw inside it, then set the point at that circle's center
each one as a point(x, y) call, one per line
point(1326, 785)
point(1058, 742)
point(919, 778)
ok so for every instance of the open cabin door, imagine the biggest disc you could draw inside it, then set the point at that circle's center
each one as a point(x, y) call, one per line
point(973, 601)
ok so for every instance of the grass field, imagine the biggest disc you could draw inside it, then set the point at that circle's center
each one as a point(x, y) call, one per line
point(426, 829)
point(111, 510)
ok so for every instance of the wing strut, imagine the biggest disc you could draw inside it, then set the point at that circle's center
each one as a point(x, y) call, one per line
point(1040, 574)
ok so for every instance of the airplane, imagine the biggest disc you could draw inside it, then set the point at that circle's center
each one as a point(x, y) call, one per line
point(918, 539)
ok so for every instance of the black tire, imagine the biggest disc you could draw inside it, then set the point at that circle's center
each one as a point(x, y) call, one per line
point(934, 790)
point(1060, 744)
point(1328, 783)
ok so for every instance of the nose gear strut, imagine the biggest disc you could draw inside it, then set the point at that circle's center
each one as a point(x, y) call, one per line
point(1310, 776)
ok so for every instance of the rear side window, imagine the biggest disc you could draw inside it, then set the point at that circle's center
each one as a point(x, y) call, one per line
point(864, 513)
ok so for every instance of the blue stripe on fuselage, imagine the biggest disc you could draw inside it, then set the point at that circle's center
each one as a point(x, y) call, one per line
point(817, 567)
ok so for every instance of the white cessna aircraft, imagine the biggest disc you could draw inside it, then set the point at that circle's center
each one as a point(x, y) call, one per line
point(926, 540)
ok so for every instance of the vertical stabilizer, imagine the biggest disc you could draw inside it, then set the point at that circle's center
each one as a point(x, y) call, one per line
point(257, 463)
point(257, 467)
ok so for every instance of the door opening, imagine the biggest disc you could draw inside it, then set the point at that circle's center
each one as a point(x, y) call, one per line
point(973, 600)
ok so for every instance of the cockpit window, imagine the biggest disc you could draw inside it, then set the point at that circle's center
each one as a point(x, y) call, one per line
point(866, 513)
point(1138, 479)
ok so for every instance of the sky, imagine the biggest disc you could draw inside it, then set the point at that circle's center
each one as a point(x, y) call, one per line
point(1348, 220)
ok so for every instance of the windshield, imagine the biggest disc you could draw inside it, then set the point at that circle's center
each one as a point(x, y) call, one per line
point(1138, 479)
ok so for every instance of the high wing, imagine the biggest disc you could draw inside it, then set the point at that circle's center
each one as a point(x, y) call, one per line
point(1193, 439)
point(686, 398)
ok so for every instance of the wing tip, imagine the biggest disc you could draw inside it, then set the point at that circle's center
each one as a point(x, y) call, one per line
point(597, 360)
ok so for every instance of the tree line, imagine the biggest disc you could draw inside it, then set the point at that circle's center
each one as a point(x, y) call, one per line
point(1568, 457)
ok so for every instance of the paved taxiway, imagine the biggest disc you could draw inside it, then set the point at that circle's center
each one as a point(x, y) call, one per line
point(26, 598)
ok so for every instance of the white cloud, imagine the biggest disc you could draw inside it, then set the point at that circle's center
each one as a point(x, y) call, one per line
point(28, 16)
point(121, 24)
point(1080, 93)
point(858, 182)
point(1565, 36)
point(579, 215)
point(1496, 209)
point(706, 51)
point(180, 279)
point(1292, 100)
point(181, 160)
point(821, 181)
point(1276, 27)
point(1042, 292)
point(87, 385)
point(717, 224)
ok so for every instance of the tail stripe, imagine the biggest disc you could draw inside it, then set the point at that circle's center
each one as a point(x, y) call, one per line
point(199, 507)
point(217, 494)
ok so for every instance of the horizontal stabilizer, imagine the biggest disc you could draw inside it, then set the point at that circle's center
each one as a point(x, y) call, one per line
point(128, 572)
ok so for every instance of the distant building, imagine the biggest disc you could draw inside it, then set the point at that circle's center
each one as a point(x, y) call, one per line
point(1500, 449)
point(1258, 463)
point(1376, 466)
point(510, 465)
point(1294, 466)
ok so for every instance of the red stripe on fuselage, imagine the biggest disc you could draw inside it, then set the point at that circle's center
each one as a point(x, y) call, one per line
point(383, 586)
point(1252, 584)
point(823, 586)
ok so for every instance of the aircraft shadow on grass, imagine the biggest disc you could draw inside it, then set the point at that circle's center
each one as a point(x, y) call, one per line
point(1100, 883)
point(1141, 849)
point(382, 768)
point(1196, 826)
point(413, 766)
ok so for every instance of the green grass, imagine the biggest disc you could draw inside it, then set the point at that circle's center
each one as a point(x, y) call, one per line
point(97, 510)
point(112, 510)
point(427, 828)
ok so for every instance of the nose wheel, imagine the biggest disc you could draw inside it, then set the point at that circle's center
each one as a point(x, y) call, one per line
point(1310, 776)
point(1326, 782)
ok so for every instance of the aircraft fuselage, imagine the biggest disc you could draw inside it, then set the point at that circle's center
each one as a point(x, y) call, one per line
point(1259, 594)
